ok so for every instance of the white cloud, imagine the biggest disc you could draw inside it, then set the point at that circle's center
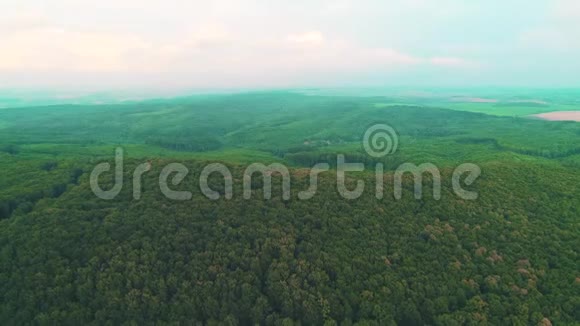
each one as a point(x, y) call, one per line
point(50, 48)
point(313, 38)
point(23, 20)
point(209, 48)
point(225, 41)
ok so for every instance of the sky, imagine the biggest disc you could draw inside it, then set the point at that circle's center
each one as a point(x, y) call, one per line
point(169, 44)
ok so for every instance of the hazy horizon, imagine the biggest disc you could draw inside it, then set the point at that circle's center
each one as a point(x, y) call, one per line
point(179, 45)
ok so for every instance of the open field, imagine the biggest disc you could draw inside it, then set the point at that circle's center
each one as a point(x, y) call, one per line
point(560, 116)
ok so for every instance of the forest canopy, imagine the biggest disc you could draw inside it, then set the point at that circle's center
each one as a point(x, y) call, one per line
point(69, 257)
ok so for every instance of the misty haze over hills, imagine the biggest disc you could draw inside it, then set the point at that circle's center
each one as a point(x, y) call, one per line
point(251, 162)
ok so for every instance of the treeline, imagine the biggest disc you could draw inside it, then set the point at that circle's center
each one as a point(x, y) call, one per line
point(309, 159)
point(546, 153)
point(553, 153)
point(189, 144)
point(9, 149)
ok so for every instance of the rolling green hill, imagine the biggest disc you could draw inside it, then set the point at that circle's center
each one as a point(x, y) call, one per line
point(68, 257)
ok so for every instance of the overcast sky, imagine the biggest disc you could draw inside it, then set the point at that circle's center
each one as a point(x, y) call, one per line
point(269, 43)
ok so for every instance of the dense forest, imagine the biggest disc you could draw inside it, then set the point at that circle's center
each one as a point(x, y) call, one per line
point(67, 257)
